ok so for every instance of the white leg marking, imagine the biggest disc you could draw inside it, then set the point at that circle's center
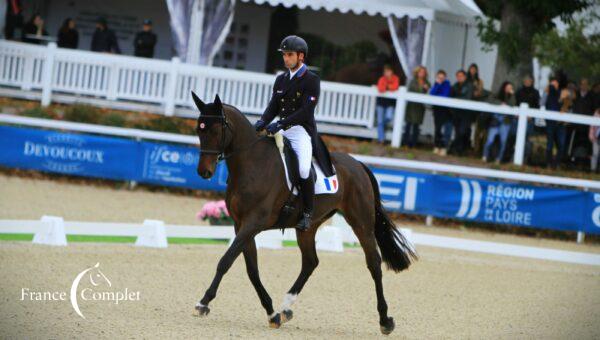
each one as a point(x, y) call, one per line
point(272, 315)
point(198, 304)
point(288, 301)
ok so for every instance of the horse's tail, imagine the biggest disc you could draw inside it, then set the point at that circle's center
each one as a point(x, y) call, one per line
point(396, 251)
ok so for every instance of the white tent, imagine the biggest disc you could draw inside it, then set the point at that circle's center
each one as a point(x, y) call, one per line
point(434, 33)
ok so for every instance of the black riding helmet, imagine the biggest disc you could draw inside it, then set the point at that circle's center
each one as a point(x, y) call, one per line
point(293, 43)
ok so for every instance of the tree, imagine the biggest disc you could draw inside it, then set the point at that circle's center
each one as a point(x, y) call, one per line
point(576, 51)
point(520, 21)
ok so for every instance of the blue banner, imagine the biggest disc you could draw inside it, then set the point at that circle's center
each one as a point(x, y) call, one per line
point(402, 191)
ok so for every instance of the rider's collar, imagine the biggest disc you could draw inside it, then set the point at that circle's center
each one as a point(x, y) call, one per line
point(299, 71)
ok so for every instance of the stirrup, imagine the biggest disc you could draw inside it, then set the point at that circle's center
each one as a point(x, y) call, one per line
point(306, 217)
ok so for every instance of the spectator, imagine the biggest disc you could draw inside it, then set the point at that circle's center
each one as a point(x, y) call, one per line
point(68, 37)
point(104, 39)
point(594, 136)
point(415, 111)
point(33, 31)
point(528, 94)
point(499, 124)
point(14, 18)
point(479, 94)
point(531, 96)
point(461, 119)
point(442, 118)
point(584, 101)
point(145, 41)
point(596, 96)
point(385, 106)
point(555, 131)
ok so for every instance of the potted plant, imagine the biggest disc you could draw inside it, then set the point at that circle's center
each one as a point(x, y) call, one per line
point(215, 212)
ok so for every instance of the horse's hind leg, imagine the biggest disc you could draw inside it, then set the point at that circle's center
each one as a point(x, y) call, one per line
point(252, 269)
point(310, 261)
point(363, 224)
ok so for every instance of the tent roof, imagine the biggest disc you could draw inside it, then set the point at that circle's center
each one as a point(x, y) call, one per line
point(398, 8)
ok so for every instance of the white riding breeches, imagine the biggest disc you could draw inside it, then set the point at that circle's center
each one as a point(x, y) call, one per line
point(302, 145)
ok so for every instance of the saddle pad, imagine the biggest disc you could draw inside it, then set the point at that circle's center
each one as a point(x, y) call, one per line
point(323, 185)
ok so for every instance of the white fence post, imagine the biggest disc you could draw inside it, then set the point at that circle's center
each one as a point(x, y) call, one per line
point(52, 232)
point(399, 117)
point(113, 81)
point(154, 235)
point(521, 135)
point(171, 86)
point(47, 74)
point(27, 72)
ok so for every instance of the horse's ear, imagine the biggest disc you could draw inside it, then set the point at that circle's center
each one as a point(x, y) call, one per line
point(199, 103)
point(218, 103)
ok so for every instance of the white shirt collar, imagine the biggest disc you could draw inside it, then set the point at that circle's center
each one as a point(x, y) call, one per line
point(293, 73)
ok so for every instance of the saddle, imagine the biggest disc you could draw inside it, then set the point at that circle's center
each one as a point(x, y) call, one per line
point(323, 184)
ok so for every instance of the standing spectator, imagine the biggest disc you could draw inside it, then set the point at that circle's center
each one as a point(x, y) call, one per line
point(584, 101)
point(442, 118)
point(528, 94)
point(531, 96)
point(34, 31)
point(594, 136)
point(479, 94)
point(145, 41)
point(461, 118)
point(415, 111)
point(385, 106)
point(499, 124)
point(68, 37)
point(104, 39)
point(14, 18)
point(555, 131)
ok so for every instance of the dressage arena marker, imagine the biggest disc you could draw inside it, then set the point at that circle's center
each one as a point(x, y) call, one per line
point(51, 230)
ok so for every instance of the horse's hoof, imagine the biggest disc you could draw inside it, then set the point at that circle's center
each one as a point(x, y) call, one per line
point(275, 322)
point(286, 315)
point(202, 310)
point(387, 326)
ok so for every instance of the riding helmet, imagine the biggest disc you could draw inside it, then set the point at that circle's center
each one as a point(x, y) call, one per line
point(293, 43)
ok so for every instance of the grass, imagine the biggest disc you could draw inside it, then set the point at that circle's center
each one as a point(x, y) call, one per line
point(131, 239)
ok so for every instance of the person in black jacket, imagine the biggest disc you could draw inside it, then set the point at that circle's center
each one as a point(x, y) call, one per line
point(104, 39)
point(295, 96)
point(34, 31)
point(68, 37)
point(145, 41)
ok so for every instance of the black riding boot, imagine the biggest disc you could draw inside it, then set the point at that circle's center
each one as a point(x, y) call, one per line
point(307, 187)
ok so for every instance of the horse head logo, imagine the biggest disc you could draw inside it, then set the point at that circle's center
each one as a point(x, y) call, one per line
point(96, 278)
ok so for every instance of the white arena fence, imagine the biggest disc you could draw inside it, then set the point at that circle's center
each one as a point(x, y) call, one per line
point(53, 231)
point(48, 73)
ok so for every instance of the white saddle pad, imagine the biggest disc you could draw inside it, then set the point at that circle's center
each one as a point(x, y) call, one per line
point(323, 185)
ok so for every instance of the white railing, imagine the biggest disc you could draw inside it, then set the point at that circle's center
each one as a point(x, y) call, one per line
point(522, 113)
point(164, 83)
point(160, 86)
point(52, 230)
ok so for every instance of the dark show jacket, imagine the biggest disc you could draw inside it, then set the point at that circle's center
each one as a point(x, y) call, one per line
point(294, 101)
point(144, 44)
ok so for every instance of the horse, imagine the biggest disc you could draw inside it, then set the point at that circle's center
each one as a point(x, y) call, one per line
point(257, 190)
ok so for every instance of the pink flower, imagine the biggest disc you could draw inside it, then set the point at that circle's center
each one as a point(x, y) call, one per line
point(212, 209)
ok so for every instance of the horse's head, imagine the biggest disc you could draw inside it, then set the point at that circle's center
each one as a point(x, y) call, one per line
point(212, 129)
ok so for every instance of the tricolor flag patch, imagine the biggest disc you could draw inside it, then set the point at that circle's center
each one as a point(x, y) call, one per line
point(330, 184)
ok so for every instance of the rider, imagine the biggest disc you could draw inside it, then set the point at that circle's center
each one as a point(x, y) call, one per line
point(294, 99)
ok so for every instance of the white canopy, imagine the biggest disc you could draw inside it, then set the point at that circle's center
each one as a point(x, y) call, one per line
point(386, 8)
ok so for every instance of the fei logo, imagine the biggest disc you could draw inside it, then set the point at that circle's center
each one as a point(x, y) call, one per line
point(470, 199)
point(165, 154)
point(596, 211)
point(392, 185)
point(99, 288)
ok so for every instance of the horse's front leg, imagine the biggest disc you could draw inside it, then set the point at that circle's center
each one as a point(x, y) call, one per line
point(242, 238)
point(250, 257)
point(310, 261)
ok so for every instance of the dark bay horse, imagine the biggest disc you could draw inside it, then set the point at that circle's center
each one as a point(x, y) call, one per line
point(257, 190)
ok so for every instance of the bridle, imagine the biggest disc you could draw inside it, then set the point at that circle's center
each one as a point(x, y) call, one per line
point(225, 125)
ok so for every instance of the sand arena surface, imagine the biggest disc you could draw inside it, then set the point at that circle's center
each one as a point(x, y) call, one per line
point(447, 294)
